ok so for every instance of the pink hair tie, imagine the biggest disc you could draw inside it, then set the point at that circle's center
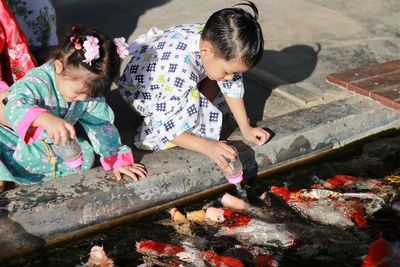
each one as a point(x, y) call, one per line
point(122, 47)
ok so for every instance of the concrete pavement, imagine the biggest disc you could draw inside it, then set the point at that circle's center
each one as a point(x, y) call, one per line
point(286, 93)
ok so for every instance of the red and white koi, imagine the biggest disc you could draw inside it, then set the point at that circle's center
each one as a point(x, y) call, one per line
point(262, 257)
point(346, 183)
point(249, 230)
point(176, 255)
point(330, 207)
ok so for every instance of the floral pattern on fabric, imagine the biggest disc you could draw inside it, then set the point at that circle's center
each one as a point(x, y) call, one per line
point(37, 19)
point(29, 163)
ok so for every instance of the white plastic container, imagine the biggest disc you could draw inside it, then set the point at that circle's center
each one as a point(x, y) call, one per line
point(71, 153)
point(234, 171)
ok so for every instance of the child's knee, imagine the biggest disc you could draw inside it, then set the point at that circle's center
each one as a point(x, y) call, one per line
point(88, 154)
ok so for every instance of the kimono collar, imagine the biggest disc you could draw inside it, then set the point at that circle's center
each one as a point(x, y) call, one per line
point(195, 50)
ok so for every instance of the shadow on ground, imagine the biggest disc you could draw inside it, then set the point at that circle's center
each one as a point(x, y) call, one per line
point(290, 65)
point(116, 18)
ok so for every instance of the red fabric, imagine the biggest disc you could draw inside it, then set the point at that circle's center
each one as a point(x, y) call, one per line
point(15, 57)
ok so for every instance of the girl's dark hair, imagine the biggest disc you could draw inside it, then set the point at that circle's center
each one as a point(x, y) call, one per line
point(106, 67)
point(234, 33)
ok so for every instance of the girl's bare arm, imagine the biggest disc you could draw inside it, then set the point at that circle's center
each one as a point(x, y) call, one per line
point(254, 134)
point(216, 150)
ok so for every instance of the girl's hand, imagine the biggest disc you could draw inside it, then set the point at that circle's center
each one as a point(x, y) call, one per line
point(57, 128)
point(134, 172)
point(218, 151)
point(256, 135)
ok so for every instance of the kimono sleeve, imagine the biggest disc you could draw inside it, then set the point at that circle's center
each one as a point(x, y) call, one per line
point(233, 88)
point(97, 121)
point(3, 85)
point(23, 107)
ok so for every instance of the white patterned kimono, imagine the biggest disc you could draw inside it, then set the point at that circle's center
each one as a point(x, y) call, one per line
point(161, 83)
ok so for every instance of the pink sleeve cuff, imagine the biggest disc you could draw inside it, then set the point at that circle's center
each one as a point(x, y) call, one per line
point(3, 86)
point(23, 127)
point(118, 160)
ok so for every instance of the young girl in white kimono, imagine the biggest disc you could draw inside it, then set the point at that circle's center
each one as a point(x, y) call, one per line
point(44, 105)
point(175, 75)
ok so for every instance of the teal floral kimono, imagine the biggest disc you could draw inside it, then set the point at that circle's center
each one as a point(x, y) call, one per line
point(26, 152)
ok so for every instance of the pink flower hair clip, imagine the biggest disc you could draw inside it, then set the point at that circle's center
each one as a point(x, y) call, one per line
point(92, 52)
point(122, 47)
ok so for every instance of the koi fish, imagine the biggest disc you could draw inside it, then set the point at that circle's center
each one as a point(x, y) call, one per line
point(382, 254)
point(235, 203)
point(330, 207)
point(165, 254)
point(98, 258)
point(232, 202)
point(260, 257)
point(177, 217)
point(180, 223)
point(249, 230)
point(348, 183)
point(216, 260)
point(197, 216)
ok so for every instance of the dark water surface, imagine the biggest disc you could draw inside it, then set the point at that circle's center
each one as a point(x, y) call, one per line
point(322, 245)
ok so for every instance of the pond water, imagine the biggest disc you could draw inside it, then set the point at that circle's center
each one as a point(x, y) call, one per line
point(320, 245)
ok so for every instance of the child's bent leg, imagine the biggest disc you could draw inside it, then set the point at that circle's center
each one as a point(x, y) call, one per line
point(209, 89)
point(88, 154)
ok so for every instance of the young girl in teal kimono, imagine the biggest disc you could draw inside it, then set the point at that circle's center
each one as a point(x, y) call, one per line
point(43, 107)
